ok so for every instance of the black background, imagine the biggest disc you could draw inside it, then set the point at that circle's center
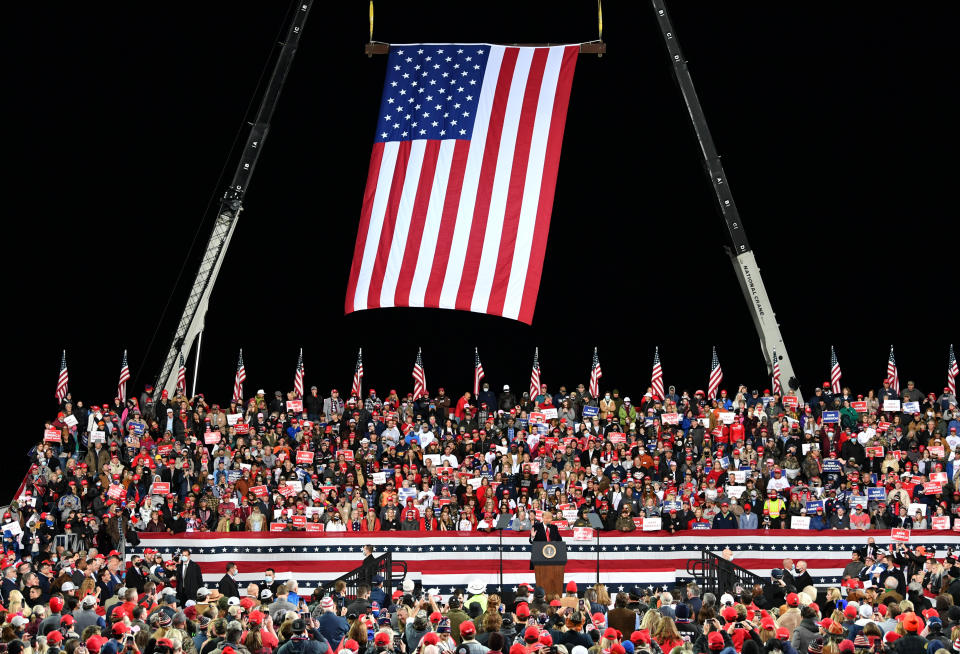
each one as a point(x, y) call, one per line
point(835, 124)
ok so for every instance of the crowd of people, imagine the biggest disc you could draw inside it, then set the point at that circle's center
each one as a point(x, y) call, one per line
point(90, 603)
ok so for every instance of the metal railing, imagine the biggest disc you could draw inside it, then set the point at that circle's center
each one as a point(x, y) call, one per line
point(716, 575)
point(393, 573)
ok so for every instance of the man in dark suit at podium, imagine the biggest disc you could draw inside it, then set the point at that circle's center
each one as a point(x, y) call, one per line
point(545, 531)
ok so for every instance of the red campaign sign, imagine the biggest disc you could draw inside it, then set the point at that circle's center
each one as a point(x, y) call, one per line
point(791, 401)
point(314, 527)
point(537, 418)
point(916, 479)
point(286, 491)
point(617, 437)
point(304, 456)
point(164, 450)
point(259, 491)
point(115, 491)
point(241, 428)
point(160, 488)
point(346, 454)
point(325, 489)
point(278, 526)
point(552, 441)
point(900, 535)
point(561, 524)
point(875, 451)
point(638, 521)
point(211, 437)
point(883, 425)
point(295, 406)
point(51, 436)
point(299, 521)
point(859, 407)
point(936, 450)
point(942, 522)
point(932, 488)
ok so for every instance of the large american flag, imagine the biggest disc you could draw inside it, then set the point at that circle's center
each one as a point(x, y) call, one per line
point(535, 375)
point(777, 388)
point(952, 370)
point(460, 187)
point(595, 374)
point(419, 377)
point(449, 560)
point(357, 385)
point(124, 378)
point(298, 376)
point(64, 378)
point(892, 375)
point(835, 373)
point(477, 372)
point(716, 376)
point(239, 379)
point(656, 377)
point(182, 375)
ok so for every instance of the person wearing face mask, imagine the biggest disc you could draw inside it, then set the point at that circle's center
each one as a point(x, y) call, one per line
point(269, 581)
point(607, 405)
point(189, 578)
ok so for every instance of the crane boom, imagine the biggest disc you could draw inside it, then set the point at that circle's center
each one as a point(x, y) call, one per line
point(741, 254)
point(194, 313)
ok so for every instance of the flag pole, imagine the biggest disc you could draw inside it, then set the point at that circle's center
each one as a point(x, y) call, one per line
point(196, 364)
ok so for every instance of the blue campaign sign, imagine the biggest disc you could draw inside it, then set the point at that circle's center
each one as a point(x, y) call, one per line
point(813, 505)
point(139, 428)
point(725, 462)
point(698, 526)
point(831, 465)
point(590, 411)
point(671, 505)
point(831, 416)
point(876, 493)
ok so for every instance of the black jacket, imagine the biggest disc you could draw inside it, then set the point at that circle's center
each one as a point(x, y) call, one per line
point(228, 587)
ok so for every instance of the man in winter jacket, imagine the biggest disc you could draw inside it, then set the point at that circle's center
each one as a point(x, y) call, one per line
point(806, 631)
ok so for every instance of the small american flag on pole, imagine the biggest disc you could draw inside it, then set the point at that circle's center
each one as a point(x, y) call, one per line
point(535, 375)
point(656, 377)
point(777, 388)
point(64, 377)
point(239, 379)
point(835, 373)
point(298, 376)
point(124, 378)
point(419, 377)
point(892, 375)
point(716, 376)
point(952, 371)
point(182, 375)
point(477, 372)
point(357, 376)
point(462, 176)
point(595, 374)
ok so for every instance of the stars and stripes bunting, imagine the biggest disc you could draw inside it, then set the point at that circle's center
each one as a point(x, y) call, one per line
point(461, 181)
point(595, 374)
point(298, 376)
point(535, 375)
point(419, 377)
point(835, 373)
point(63, 379)
point(892, 375)
point(777, 388)
point(238, 380)
point(478, 373)
point(952, 371)
point(357, 385)
point(656, 376)
point(182, 375)
point(453, 559)
point(716, 376)
point(124, 378)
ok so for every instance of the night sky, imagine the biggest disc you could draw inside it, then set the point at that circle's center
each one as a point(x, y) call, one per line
point(835, 127)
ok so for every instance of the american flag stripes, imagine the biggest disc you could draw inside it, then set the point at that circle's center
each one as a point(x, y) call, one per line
point(835, 373)
point(357, 385)
point(182, 375)
point(656, 376)
point(952, 371)
point(716, 376)
point(298, 376)
point(64, 378)
point(535, 375)
point(777, 388)
point(595, 374)
point(450, 560)
point(419, 377)
point(124, 378)
point(460, 187)
point(477, 372)
point(892, 375)
point(239, 379)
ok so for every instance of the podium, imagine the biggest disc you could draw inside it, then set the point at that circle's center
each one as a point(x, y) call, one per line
point(549, 560)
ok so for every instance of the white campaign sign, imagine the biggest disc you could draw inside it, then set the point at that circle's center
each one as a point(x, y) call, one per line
point(798, 522)
point(891, 405)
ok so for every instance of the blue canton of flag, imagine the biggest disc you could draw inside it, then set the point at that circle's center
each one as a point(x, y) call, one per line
point(434, 92)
